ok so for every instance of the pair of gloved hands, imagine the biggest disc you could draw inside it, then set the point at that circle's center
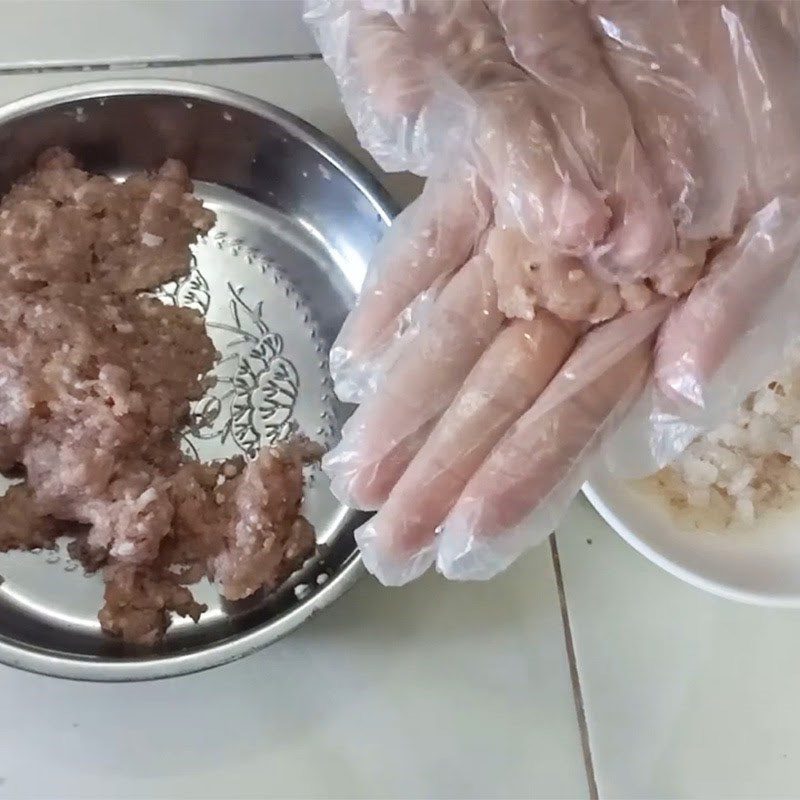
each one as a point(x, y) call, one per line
point(607, 243)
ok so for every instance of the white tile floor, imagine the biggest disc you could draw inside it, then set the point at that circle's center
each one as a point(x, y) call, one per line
point(686, 695)
point(50, 33)
point(434, 690)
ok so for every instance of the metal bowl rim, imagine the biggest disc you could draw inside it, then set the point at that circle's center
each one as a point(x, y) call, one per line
point(57, 665)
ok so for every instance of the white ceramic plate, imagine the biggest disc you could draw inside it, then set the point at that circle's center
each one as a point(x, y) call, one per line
point(760, 565)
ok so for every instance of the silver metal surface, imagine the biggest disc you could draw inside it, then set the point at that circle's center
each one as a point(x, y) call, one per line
point(296, 223)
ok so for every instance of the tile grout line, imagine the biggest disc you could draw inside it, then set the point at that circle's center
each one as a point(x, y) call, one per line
point(156, 64)
point(577, 693)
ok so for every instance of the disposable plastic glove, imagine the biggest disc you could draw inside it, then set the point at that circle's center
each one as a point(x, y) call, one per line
point(435, 84)
point(482, 392)
point(720, 123)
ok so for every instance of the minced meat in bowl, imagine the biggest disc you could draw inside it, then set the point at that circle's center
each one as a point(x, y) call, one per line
point(96, 378)
point(272, 282)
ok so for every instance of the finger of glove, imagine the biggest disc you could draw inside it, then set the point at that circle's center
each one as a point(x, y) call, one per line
point(732, 332)
point(425, 378)
point(555, 44)
point(385, 84)
point(753, 51)
point(522, 489)
point(508, 377)
point(729, 333)
point(366, 485)
point(532, 169)
point(431, 238)
point(679, 110)
point(540, 185)
point(472, 87)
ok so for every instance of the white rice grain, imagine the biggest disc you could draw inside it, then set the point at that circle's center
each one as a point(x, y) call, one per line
point(750, 462)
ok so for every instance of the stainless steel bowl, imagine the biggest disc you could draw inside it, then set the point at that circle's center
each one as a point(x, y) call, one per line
point(296, 222)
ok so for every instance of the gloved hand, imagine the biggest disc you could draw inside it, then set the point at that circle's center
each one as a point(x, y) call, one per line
point(720, 126)
point(508, 319)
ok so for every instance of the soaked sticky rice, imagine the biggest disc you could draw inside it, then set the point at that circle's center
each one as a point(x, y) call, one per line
point(747, 465)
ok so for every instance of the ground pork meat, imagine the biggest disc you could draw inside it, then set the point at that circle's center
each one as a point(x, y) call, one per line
point(22, 526)
point(138, 602)
point(266, 537)
point(239, 525)
point(96, 380)
point(62, 224)
point(93, 389)
point(528, 278)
